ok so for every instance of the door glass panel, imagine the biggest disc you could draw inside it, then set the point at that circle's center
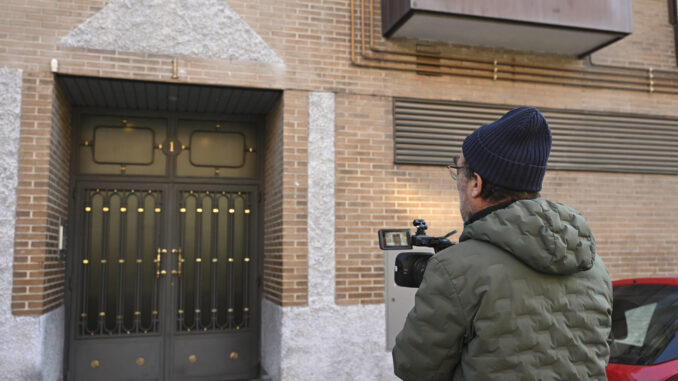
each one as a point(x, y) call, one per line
point(121, 230)
point(126, 145)
point(214, 290)
point(216, 149)
point(121, 146)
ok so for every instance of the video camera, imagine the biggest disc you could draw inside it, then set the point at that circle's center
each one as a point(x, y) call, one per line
point(410, 267)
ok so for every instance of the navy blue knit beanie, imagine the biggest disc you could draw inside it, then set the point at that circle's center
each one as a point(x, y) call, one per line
point(511, 152)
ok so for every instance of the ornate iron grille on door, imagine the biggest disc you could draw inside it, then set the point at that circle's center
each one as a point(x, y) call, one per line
point(163, 282)
point(122, 231)
point(213, 261)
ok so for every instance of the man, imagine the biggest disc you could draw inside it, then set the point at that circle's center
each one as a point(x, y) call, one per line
point(523, 295)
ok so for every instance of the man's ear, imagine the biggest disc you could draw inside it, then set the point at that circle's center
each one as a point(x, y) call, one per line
point(476, 185)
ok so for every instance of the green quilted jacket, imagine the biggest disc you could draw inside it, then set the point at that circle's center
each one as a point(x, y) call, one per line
point(523, 296)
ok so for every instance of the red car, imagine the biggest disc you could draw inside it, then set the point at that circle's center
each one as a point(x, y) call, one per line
point(645, 330)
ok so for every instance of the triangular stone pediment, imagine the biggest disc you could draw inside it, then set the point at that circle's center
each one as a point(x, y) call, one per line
point(200, 28)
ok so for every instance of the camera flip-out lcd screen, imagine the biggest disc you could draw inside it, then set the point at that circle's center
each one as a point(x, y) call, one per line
point(395, 239)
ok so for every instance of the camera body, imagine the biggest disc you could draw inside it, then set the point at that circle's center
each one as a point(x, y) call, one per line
point(410, 266)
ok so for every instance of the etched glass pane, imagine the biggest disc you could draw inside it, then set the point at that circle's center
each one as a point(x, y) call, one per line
point(127, 145)
point(108, 145)
point(217, 149)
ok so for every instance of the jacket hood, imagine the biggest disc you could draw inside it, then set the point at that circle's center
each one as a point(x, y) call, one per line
point(549, 237)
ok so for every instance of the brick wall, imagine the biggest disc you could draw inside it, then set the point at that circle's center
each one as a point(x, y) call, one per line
point(633, 217)
point(273, 212)
point(314, 41)
point(285, 227)
point(650, 45)
point(42, 195)
point(294, 202)
point(58, 198)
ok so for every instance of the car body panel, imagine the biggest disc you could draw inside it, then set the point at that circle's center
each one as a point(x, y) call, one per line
point(659, 372)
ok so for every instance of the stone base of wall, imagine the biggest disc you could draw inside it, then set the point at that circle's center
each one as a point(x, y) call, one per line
point(327, 342)
point(32, 347)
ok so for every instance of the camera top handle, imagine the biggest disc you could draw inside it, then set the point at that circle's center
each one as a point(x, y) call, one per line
point(421, 239)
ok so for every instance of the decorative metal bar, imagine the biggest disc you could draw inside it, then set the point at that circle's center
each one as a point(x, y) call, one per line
point(246, 267)
point(231, 249)
point(155, 326)
point(213, 263)
point(182, 240)
point(146, 251)
point(85, 266)
point(198, 262)
point(236, 293)
point(217, 291)
point(101, 329)
point(120, 310)
point(138, 285)
point(99, 297)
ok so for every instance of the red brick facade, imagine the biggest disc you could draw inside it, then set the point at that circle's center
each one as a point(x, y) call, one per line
point(633, 215)
point(285, 241)
point(42, 195)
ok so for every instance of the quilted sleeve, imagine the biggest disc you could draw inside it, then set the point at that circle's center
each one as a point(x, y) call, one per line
point(429, 345)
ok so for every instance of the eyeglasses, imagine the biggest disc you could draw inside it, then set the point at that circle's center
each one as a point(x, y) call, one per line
point(454, 168)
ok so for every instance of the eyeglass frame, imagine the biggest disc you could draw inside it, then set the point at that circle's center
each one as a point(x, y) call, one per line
point(454, 167)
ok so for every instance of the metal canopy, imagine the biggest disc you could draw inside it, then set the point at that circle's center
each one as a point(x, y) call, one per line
point(573, 28)
point(124, 94)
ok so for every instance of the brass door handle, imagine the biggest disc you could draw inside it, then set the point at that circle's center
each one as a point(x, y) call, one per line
point(180, 261)
point(158, 263)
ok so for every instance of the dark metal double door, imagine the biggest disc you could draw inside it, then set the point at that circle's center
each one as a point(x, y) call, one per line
point(165, 283)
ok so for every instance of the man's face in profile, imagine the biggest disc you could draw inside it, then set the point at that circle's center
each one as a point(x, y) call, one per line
point(462, 183)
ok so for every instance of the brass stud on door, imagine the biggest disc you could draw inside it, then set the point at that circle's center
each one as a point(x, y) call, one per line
point(234, 355)
point(192, 359)
point(140, 361)
point(94, 364)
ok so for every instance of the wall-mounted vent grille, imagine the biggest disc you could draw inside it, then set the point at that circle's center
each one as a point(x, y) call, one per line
point(428, 132)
